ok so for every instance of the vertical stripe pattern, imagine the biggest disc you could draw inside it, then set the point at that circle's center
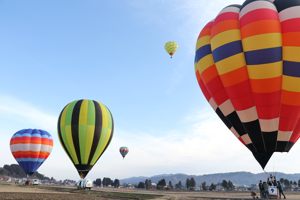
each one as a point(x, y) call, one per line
point(85, 129)
point(31, 147)
point(261, 38)
point(289, 15)
point(246, 64)
point(211, 84)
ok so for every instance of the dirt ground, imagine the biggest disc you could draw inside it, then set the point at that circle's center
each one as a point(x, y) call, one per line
point(14, 192)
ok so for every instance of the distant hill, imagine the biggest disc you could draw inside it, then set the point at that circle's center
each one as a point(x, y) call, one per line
point(238, 178)
point(16, 171)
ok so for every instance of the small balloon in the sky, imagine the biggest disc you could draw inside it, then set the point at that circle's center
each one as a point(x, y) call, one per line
point(124, 151)
point(171, 47)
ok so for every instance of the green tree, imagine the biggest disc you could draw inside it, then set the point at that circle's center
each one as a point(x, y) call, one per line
point(224, 184)
point(178, 186)
point(286, 183)
point(212, 187)
point(106, 182)
point(295, 183)
point(141, 185)
point(281, 180)
point(161, 184)
point(230, 185)
point(148, 184)
point(116, 183)
point(188, 183)
point(192, 184)
point(170, 185)
point(97, 182)
point(203, 186)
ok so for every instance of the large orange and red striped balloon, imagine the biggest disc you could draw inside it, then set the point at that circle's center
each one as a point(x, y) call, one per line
point(248, 67)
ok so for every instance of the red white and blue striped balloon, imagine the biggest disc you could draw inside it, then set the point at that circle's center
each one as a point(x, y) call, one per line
point(31, 147)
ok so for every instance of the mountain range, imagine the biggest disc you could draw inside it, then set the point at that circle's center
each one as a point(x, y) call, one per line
point(16, 171)
point(237, 178)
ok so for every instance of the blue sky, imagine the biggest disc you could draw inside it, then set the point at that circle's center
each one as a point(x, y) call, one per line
point(53, 52)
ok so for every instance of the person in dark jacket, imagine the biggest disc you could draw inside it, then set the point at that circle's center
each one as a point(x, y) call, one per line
point(261, 189)
point(266, 190)
point(274, 181)
point(269, 182)
point(280, 190)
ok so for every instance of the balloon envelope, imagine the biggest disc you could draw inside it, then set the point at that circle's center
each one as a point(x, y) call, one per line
point(124, 151)
point(31, 147)
point(247, 64)
point(85, 129)
point(171, 47)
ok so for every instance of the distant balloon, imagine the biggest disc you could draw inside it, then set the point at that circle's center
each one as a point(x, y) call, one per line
point(124, 151)
point(171, 47)
point(85, 129)
point(31, 147)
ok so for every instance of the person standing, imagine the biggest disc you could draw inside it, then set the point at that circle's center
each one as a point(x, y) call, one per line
point(274, 181)
point(261, 189)
point(266, 190)
point(280, 189)
point(269, 182)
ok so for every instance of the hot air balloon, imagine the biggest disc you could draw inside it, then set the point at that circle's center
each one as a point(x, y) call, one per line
point(31, 147)
point(124, 151)
point(247, 64)
point(171, 47)
point(85, 129)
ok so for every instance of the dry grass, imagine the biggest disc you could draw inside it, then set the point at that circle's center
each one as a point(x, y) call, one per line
point(14, 192)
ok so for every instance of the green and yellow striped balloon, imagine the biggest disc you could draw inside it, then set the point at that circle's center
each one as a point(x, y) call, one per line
point(171, 47)
point(85, 129)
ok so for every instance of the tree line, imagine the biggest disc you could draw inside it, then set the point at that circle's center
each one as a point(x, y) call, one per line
point(107, 182)
point(288, 184)
point(190, 184)
point(226, 185)
point(16, 171)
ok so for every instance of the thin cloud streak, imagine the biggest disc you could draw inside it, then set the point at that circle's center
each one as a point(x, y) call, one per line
point(203, 145)
point(28, 113)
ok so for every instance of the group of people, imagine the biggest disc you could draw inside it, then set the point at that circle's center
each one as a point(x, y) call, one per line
point(271, 182)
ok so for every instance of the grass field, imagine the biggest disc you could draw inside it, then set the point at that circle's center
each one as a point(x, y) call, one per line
point(14, 192)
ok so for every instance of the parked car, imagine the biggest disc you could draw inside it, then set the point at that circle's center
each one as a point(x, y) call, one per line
point(84, 184)
point(36, 182)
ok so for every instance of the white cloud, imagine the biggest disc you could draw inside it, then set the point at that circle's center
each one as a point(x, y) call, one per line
point(27, 113)
point(15, 115)
point(203, 145)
